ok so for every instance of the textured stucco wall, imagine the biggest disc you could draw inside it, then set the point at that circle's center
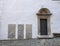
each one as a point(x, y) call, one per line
point(24, 12)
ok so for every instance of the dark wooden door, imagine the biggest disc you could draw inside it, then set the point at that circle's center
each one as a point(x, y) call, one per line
point(43, 26)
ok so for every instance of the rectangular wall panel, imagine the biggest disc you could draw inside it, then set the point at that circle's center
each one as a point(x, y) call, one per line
point(28, 31)
point(11, 30)
point(20, 31)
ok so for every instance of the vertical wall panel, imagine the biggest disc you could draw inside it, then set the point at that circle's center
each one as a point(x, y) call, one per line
point(20, 31)
point(11, 30)
point(28, 31)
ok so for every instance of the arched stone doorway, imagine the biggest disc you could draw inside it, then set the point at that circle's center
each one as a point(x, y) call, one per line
point(44, 27)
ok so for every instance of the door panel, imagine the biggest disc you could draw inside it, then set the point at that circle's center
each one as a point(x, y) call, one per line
point(43, 26)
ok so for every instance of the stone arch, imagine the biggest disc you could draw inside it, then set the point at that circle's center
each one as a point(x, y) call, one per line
point(43, 11)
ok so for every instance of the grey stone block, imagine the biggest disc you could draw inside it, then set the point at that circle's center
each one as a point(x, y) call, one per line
point(31, 42)
point(28, 31)
point(20, 31)
point(11, 30)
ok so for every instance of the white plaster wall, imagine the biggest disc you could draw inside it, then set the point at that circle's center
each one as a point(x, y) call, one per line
point(24, 12)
